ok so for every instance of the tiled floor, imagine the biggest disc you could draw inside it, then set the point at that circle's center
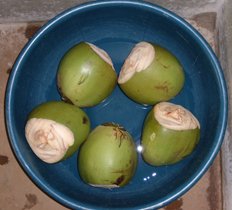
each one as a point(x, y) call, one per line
point(17, 191)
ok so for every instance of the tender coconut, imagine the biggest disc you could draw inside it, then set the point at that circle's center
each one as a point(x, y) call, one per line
point(175, 117)
point(138, 60)
point(48, 139)
point(108, 158)
point(83, 68)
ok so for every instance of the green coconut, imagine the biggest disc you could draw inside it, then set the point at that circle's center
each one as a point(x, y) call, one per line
point(86, 75)
point(108, 158)
point(55, 130)
point(170, 133)
point(151, 74)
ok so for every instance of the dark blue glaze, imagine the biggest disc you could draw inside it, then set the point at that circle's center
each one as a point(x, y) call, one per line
point(116, 26)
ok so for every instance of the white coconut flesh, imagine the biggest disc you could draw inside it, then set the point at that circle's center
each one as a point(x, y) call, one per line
point(48, 139)
point(175, 117)
point(138, 60)
point(103, 54)
point(104, 186)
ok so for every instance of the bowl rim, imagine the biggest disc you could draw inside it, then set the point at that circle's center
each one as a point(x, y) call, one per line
point(98, 4)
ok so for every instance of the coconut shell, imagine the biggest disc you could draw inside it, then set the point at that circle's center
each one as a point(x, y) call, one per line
point(162, 80)
point(108, 158)
point(68, 115)
point(163, 146)
point(84, 78)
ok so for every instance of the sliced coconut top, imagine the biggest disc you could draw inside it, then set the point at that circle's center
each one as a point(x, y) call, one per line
point(48, 139)
point(175, 117)
point(138, 60)
point(102, 53)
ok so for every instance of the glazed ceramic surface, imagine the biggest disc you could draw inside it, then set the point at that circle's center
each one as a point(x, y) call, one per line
point(116, 26)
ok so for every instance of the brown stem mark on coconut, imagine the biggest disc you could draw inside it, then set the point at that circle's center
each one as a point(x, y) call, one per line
point(82, 79)
point(84, 120)
point(63, 97)
point(162, 64)
point(119, 180)
point(164, 87)
point(112, 124)
point(119, 131)
point(119, 134)
point(165, 66)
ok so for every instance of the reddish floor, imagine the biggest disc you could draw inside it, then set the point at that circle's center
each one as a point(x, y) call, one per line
point(18, 192)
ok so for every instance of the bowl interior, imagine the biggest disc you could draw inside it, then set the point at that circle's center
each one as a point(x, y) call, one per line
point(117, 28)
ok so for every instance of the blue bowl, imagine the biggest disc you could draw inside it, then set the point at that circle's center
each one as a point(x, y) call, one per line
point(116, 26)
